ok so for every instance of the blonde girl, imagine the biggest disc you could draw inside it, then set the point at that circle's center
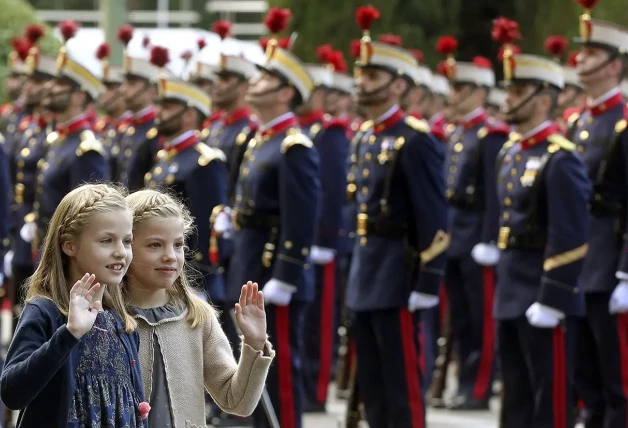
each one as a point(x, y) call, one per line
point(183, 349)
point(72, 362)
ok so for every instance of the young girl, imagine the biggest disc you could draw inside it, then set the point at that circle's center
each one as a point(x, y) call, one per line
point(72, 362)
point(183, 349)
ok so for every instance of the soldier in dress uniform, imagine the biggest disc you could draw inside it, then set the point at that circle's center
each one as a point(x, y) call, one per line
point(196, 172)
point(398, 262)
point(436, 110)
point(205, 76)
point(10, 113)
point(112, 102)
point(416, 101)
point(30, 152)
point(573, 98)
point(474, 215)
point(74, 154)
point(139, 142)
point(543, 193)
point(601, 138)
point(275, 218)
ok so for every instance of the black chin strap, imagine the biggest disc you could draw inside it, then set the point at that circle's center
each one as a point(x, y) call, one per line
point(600, 66)
point(172, 118)
point(268, 91)
point(524, 102)
point(379, 89)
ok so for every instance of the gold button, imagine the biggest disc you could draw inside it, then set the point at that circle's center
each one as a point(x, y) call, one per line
point(245, 172)
point(354, 157)
point(170, 179)
point(363, 241)
point(32, 142)
point(363, 208)
point(198, 257)
point(158, 170)
point(584, 135)
point(305, 251)
point(20, 163)
point(450, 193)
point(365, 173)
point(508, 201)
point(350, 177)
point(455, 158)
point(509, 186)
point(513, 171)
point(518, 157)
point(506, 216)
point(20, 176)
point(147, 176)
point(128, 152)
point(458, 147)
point(40, 162)
point(287, 244)
point(372, 139)
point(589, 120)
point(450, 180)
point(365, 191)
point(25, 152)
point(580, 149)
point(152, 184)
point(452, 169)
point(368, 157)
point(238, 198)
point(351, 187)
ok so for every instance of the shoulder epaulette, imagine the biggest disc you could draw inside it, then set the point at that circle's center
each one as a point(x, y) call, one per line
point(209, 154)
point(314, 130)
point(418, 125)
point(89, 143)
point(366, 126)
point(558, 142)
point(572, 115)
point(295, 138)
point(494, 127)
point(52, 137)
point(205, 133)
point(336, 122)
point(151, 133)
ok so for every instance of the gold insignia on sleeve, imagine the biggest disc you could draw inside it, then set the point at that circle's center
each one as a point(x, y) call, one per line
point(566, 258)
point(418, 125)
point(561, 142)
point(151, 133)
point(208, 154)
point(436, 248)
point(295, 139)
point(89, 143)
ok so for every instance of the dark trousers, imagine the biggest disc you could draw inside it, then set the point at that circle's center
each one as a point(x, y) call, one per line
point(602, 364)
point(428, 330)
point(388, 375)
point(285, 377)
point(470, 290)
point(537, 372)
point(319, 336)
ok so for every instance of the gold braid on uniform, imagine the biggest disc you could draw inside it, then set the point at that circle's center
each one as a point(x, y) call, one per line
point(565, 258)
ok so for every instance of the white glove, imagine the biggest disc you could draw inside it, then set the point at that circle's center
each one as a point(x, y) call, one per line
point(542, 316)
point(321, 255)
point(485, 254)
point(618, 304)
point(8, 261)
point(278, 292)
point(222, 224)
point(421, 301)
point(27, 232)
point(1, 279)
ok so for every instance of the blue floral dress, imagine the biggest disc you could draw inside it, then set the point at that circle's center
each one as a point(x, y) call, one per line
point(104, 395)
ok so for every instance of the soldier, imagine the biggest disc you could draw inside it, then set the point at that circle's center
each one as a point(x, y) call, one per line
point(474, 215)
point(205, 76)
point(573, 98)
point(139, 141)
point(30, 151)
point(398, 258)
point(275, 217)
point(436, 111)
point(543, 192)
point(11, 112)
point(416, 101)
point(342, 87)
point(601, 139)
point(112, 102)
point(329, 136)
point(74, 155)
point(196, 172)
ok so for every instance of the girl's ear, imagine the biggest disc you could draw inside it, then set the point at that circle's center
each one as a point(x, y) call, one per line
point(69, 248)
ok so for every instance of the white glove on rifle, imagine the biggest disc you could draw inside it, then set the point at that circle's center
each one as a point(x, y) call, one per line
point(485, 254)
point(542, 316)
point(222, 224)
point(278, 292)
point(321, 255)
point(421, 301)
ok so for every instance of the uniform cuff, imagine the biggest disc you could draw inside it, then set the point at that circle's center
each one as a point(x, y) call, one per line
point(559, 296)
point(429, 281)
point(288, 269)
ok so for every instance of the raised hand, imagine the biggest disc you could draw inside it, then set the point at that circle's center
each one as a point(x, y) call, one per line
point(83, 311)
point(251, 316)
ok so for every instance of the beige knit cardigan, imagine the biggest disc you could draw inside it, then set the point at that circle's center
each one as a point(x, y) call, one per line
point(200, 358)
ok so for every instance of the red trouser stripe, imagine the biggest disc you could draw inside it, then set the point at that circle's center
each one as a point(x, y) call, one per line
point(622, 331)
point(284, 367)
point(485, 369)
point(559, 396)
point(415, 399)
point(422, 356)
point(326, 331)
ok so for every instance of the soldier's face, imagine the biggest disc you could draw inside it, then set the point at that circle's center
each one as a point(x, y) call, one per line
point(337, 103)
point(33, 91)
point(112, 99)
point(13, 85)
point(169, 117)
point(225, 91)
point(136, 92)
point(373, 86)
point(568, 97)
point(517, 107)
point(263, 90)
point(60, 96)
point(591, 58)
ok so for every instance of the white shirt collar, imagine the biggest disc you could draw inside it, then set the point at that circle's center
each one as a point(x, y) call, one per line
point(275, 121)
point(143, 111)
point(536, 130)
point(435, 118)
point(470, 116)
point(605, 97)
point(72, 121)
point(178, 140)
point(386, 115)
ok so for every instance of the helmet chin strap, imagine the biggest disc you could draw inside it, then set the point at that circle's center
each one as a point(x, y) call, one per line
point(380, 88)
point(267, 91)
point(600, 66)
point(524, 102)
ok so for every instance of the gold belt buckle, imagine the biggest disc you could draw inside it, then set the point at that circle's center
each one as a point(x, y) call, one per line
point(362, 224)
point(234, 220)
point(502, 240)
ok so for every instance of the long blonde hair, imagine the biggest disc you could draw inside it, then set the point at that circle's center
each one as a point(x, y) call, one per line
point(150, 205)
point(75, 210)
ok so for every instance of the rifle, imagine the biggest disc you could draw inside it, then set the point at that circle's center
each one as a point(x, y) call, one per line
point(343, 371)
point(354, 415)
point(439, 382)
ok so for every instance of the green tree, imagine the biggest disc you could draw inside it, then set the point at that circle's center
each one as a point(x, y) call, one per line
point(15, 16)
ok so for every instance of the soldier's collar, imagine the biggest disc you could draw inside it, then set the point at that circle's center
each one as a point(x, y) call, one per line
point(73, 125)
point(143, 116)
point(538, 135)
point(278, 125)
point(214, 117)
point(181, 142)
point(473, 119)
point(310, 118)
point(236, 116)
point(606, 102)
point(388, 119)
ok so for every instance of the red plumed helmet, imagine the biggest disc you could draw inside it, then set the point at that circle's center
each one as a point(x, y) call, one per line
point(365, 16)
point(103, 51)
point(447, 45)
point(418, 54)
point(21, 46)
point(33, 33)
point(355, 48)
point(159, 56)
point(276, 19)
point(514, 49)
point(587, 4)
point(222, 28)
point(337, 60)
point(482, 62)
point(556, 45)
point(442, 68)
point(125, 34)
point(201, 43)
point(391, 39)
point(505, 30)
point(68, 29)
point(323, 52)
point(572, 59)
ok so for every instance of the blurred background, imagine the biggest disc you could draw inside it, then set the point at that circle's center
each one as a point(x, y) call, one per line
point(418, 22)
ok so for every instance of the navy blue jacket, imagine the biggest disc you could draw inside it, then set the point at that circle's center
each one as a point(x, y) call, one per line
point(38, 374)
point(542, 185)
point(5, 203)
point(138, 147)
point(402, 214)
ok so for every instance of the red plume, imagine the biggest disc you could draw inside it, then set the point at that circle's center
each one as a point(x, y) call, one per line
point(366, 16)
point(505, 30)
point(21, 47)
point(284, 43)
point(482, 62)
point(159, 56)
point(201, 43)
point(587, 4)
point(443, 68)
point(277, 19)
point(103, 51)
point(355, 48)
point(323, 52)
point(513, 48)
point(263, 42)
point(418, 54)
point(447, 45)
point(571, 59)
point(187, 55)
point(145, 41)
point(391, 39)
point(68, 29)
point(556, 45)
point(33, 33)
point(337, 60)
point(125, 34)
point(222, 28)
